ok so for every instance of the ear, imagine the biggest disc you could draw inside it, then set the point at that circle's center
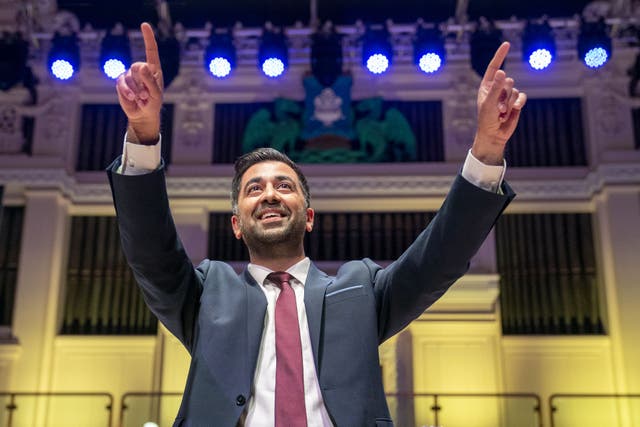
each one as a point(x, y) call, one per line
point(235, 224)
point(310, 217)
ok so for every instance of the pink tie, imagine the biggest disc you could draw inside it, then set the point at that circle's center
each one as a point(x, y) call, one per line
point(290, 410)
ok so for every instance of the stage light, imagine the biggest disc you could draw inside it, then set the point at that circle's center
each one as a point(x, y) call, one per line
point(377, 51)
point(169, 51)
point(538, 45)
point(14, 52)
point(428, 49)
point(484, 41)
point(540, 59)
point(64, 56)
point(115, 52)
point(326, 54)
point(594, 44)
point(273, 56)
point(220, 55)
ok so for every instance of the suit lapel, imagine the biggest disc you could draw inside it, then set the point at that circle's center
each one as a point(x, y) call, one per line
point(256, 309)
point(314, 290)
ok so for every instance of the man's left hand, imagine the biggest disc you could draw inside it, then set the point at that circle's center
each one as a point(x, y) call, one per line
point(499, 106)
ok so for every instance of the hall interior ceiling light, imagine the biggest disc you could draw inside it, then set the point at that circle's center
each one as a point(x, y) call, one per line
point(428, 49)
point(64, 56)
point(538, 45)
point(115, 52)
point(594, 44)
point(220, 54)
point(377, 50)
point(273, 55)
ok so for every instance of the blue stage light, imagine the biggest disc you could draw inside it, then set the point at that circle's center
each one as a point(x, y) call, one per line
point(538, 45)
point(540, 59)
point(594, 44)
point(377, 51)
point(64, 56)
point(377, 63)
point(62, 70)
point(430, 63)
point(596, 57)
point(273, 56)
point(113, 68)
point(428, 49)
point(272, 67)
point(220, 67)
point(115, 53)
point(220, 55)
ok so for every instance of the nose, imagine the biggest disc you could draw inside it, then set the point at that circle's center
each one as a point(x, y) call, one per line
point(270, 195)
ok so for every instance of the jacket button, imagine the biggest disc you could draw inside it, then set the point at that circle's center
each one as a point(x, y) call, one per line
point(240, 400)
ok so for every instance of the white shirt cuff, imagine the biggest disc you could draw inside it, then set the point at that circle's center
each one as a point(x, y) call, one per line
point(138, 159)
point(487, 177)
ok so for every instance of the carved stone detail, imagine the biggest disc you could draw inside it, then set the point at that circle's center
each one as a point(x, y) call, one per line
point(609, 107)
point(192, 126)
point(462, 108)
point(191, 82)
point(55, 121)
point(11, 138)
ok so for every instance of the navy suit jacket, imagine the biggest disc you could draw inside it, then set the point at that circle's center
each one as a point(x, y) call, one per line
point(219, 315)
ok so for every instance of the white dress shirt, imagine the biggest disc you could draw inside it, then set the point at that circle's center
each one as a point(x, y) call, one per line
point(261, 408)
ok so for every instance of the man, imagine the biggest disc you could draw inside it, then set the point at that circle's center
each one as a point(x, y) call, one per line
point(295, 347)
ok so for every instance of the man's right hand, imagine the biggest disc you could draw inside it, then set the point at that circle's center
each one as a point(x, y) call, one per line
point(140, 91)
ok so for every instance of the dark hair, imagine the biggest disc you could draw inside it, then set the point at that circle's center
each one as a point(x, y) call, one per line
point(260, 155)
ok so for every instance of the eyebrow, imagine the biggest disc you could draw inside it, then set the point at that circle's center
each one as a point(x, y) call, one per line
point(278, 178)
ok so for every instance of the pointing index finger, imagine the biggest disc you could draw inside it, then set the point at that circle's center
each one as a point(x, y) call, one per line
point(497, 61)
point(150, 45)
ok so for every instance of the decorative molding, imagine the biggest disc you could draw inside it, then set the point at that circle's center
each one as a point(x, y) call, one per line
point(193, 121)
point(376, 184)
point(462, 108)
point(473, 293)
point(11, 137)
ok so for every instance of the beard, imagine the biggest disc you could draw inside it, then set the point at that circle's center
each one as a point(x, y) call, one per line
point(275, 241)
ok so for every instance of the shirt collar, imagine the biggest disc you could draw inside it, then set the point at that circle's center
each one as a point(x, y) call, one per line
point(299, 271)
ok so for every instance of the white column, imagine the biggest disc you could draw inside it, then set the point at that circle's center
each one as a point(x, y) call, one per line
point(38, 289)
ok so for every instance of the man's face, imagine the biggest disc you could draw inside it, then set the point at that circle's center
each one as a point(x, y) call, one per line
point(271, 206)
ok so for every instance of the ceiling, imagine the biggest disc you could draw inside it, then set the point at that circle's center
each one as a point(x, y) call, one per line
point(253, 13)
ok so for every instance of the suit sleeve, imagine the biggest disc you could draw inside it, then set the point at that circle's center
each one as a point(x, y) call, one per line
point(438, 257)
point(170, 285)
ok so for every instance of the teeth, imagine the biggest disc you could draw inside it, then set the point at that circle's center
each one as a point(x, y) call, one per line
point(270, 215)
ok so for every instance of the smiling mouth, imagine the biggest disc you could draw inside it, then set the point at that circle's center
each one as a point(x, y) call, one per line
point(269, 217)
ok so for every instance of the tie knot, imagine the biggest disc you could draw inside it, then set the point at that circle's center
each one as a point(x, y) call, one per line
point(279, 278)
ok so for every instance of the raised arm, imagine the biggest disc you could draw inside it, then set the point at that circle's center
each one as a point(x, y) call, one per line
point(441, 254)
point(170, 285)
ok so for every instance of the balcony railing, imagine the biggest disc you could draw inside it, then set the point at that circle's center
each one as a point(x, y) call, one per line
point(593, 409)
point(56, 409)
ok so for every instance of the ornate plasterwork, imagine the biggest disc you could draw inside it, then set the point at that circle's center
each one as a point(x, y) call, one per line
point(609, 101)
point(462, 108)
point(336, 187)
point(57, 120)
point(191, 82)
point(192, 128)
point(11, 138)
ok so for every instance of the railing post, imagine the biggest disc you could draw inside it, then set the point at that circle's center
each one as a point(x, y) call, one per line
point(552, 410)
point(10, 408)
point(123, 407)
point(110, 409)
point(435, 408)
